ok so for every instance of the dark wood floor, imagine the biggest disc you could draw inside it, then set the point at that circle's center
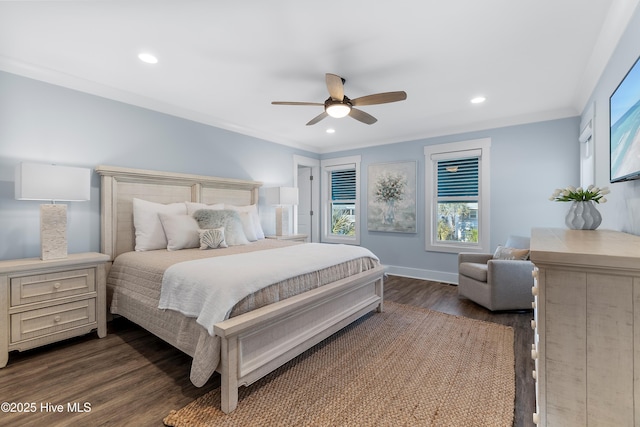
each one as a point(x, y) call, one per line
point(132, 378)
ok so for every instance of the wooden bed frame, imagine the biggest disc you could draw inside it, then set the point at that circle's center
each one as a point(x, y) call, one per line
point(255, 343)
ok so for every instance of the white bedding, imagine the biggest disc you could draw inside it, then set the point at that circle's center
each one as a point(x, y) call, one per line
point(207, 289)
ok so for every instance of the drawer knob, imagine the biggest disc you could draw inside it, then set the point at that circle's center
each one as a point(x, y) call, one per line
point(534, 274)
point(534, 354)
point(56, 319)
point(536, 418)
point(56, 285)
point(533, 305)
point(534, 291)
point(534, 374)
point(533, 324)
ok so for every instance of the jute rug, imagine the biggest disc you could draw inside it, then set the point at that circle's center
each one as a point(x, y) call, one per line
point(404, 367)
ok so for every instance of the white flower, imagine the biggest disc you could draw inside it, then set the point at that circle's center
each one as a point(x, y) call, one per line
point(580, 194)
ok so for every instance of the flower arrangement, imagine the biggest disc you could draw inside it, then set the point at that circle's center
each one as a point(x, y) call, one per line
point(573, 194)
point(390, 187)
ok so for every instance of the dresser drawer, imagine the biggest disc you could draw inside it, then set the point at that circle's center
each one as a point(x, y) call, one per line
point(51, 320)
point(48, 286)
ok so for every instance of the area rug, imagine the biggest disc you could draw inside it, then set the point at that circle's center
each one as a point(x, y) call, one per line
point(405, 367)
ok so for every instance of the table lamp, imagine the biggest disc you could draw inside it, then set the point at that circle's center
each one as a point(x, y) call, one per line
point(282, 198)
point(34, 181)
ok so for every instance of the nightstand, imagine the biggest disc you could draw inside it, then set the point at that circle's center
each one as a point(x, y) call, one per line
point(294, 237)
point(42, 302)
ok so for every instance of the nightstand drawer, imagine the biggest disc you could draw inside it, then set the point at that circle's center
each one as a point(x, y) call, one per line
point(51, 320)
point(43, 287)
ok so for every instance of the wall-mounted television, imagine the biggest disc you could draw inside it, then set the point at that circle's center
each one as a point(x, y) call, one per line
point(624, 123)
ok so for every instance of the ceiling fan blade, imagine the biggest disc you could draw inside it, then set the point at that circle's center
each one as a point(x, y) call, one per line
point(380, 98)
point(296, 103)
point(317, 118)
point(362, 116)
point(335, 86)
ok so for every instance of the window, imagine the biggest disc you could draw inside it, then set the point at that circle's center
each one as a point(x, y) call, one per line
point(457, 196)
point(341, 183)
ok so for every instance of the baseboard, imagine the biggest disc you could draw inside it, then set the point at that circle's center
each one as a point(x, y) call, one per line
point(418, 273)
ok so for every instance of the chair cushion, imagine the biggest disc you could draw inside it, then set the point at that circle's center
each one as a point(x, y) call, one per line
point(473, 270)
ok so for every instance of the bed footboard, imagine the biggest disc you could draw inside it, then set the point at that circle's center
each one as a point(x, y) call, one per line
point(262, 340)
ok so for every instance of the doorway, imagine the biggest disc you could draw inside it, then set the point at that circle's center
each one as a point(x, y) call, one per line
point(306, 218)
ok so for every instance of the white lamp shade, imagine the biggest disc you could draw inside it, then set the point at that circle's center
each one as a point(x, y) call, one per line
point(279, 196)
point(36, 181)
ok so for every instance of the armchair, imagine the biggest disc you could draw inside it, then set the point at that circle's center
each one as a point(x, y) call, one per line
point(497, 284)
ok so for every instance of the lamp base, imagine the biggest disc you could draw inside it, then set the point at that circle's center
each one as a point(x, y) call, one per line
point(53, 231)
point(282, 221)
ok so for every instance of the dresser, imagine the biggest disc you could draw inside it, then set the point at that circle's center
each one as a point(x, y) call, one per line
point(586, 344)
point(42, 302)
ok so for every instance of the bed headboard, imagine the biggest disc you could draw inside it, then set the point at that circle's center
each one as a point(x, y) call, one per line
point(119, 186)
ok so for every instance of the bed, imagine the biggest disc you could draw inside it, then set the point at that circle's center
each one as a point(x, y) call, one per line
point(264, 330)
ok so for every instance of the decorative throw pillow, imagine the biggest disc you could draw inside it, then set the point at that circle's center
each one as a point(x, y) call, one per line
point(181, 231)
point(253, 212)
point(503, 252)
point(149, 232)
point(212, 238)
point(227, 219)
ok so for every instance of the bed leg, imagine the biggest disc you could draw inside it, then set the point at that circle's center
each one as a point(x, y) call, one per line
point(380, 293)
point(229, 375)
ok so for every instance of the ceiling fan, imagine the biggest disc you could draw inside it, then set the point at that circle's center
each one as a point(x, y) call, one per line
point(339, 105)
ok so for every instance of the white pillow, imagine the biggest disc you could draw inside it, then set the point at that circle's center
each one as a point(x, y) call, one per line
point(193, 206)
point(247, 226)
point(253, 212)
point(149, 232)
point(181, 231)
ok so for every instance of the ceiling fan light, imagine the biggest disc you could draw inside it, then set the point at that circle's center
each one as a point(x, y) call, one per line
point(338, 110)
point(148, 58)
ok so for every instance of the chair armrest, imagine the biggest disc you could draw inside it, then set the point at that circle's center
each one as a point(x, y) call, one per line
point(510, 282)
point(510, 273)
point(474, 257)
point(513, 270)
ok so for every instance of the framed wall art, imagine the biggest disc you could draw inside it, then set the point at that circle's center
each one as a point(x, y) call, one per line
point(391, 195)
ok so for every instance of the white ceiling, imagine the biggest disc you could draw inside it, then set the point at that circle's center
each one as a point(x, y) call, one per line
point(223, 62)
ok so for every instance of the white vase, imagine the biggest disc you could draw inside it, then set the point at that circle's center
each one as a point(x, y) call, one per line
point(583, 216)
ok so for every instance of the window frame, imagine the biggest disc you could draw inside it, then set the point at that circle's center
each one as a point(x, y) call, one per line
point(327, 166)
point(455, 150)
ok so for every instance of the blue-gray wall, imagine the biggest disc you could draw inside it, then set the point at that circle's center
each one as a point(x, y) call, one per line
point(527, 163)
point(40, 122)
point(622, 211)
point(45, 123)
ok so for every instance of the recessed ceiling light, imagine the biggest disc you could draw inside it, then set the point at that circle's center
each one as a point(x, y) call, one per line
point(148, 58)
point(478, 100)
point(331, 130)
